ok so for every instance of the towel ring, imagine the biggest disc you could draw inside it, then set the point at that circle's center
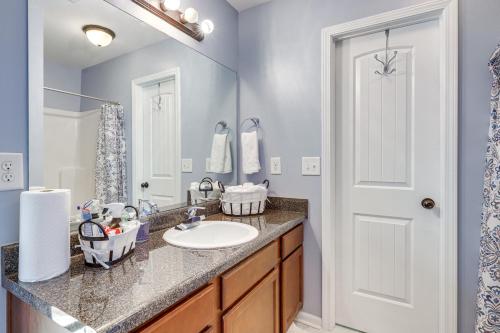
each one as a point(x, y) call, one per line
point(223, 127)
point(255, 124)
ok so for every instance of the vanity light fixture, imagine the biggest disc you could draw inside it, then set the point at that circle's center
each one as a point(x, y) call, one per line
point(170, 4)
point(207, 26)
point(98, 35)
point(186, 21)
point(190, 15)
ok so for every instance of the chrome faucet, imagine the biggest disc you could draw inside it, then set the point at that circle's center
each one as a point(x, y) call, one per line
point(147, 208)
point(192, 219)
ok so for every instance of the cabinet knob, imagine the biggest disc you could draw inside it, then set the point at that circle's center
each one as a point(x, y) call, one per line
point(145, 185)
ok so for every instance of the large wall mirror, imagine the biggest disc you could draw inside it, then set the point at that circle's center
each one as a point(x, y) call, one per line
point(128, 112)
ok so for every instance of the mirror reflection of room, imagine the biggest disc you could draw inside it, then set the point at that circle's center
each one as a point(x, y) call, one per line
point(130, 113)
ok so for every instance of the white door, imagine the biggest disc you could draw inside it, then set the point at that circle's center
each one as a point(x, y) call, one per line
point(160, 173)
point(387, 161)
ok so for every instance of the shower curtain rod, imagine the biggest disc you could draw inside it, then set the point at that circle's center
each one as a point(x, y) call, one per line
point(80, 95)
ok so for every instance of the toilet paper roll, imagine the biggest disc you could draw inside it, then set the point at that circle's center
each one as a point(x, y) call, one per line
point(44, 250)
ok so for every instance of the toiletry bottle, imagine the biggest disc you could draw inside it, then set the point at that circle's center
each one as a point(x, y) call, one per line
point(116, 210)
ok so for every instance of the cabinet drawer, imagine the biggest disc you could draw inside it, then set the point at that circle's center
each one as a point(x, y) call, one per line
point(257, 312)
point(240, 279)
point(198, 314)
point(292, 291)
point(292, 240)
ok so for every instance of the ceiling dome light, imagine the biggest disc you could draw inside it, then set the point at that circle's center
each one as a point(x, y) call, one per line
point(190, 15)
point(207, 26)
point(172, 4)
point(99, 36)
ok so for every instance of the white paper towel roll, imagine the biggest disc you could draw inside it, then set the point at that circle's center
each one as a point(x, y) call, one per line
point(44, 234)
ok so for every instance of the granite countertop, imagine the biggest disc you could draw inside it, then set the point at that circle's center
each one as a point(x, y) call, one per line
point(155, 277)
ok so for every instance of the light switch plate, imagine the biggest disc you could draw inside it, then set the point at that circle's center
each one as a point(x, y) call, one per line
point(11, 172)
point(311, 166)
point(187, 165)
point(275, 166)
point(207, 165)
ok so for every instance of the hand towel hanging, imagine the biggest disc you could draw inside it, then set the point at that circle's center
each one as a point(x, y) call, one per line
point(220, 159)
point(250, 152)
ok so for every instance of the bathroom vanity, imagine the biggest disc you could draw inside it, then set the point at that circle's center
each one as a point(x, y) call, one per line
point(255, 287)
point(260, 294)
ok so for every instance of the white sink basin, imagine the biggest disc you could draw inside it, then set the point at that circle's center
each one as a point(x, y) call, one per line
point(212, 235)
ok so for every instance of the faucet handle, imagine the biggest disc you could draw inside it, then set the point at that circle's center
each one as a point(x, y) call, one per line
point(193, 210)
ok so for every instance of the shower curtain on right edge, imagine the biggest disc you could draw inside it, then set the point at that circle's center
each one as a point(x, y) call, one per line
point(488, 296)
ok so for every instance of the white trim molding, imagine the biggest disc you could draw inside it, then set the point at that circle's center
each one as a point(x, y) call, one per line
point(137, 125)
point(35, 93)
point(309, 320)
point(446, 12)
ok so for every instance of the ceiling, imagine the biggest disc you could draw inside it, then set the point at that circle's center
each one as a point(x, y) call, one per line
point(65, 42)
point(241, 5)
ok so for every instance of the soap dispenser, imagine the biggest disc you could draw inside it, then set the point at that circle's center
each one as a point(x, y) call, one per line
point(116, 211)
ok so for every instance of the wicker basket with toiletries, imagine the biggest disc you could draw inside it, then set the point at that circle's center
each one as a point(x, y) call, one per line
point(243, 200)
point(205, 190)
point(104, 249)
point(109, 239)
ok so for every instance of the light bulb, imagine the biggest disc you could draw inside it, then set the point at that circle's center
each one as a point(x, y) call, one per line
point(190, 15)
point(99, 36)
point(172, 4)
point(207, 26)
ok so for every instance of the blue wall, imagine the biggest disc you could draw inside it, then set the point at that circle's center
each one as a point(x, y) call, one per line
point(14, 92)
point(208, 94)
point(60, 76)
point(280, 43)
point(13, 112)
point(279, 68)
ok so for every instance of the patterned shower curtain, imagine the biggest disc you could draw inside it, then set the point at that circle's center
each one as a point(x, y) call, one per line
point(111, 162)
point(488, 297)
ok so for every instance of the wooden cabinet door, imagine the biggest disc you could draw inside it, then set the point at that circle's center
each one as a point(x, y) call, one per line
point(257, 312)
point(292, 292)
point(198, 314)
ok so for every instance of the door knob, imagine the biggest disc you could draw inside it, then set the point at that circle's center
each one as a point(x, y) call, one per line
point(145, 185)
point(428, 203)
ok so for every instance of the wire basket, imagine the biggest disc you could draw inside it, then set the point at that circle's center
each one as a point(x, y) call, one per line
point(206, 190)
point(104, 250)
point(244, 202)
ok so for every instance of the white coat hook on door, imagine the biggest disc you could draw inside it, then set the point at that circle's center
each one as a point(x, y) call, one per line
point(159, 97)
point(387, 63)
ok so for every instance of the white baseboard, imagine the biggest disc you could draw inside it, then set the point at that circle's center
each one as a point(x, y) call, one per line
point(309, 320)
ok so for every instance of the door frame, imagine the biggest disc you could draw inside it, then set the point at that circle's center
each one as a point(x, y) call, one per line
point(446, 13)
point(138, 85)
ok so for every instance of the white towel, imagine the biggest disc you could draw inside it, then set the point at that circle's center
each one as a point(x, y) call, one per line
point(220, 159)
point(250, 152)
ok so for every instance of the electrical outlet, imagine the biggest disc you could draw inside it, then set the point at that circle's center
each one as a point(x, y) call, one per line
point(311, 166)
point(187, 165)
point(7, 178)
point(11, 172)
point(7, 165)
point(275, 166)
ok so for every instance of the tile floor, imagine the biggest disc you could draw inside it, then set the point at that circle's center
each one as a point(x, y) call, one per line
point(299, 328)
